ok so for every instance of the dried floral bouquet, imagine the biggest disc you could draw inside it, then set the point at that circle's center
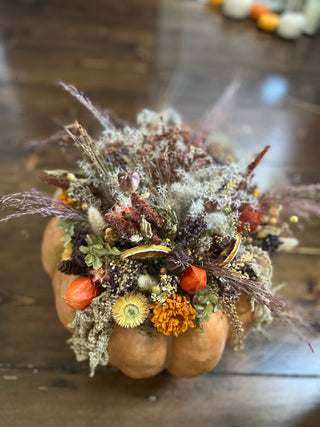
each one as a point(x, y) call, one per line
point(162, 231)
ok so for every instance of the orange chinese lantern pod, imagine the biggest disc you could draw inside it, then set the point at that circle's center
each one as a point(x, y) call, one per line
point(258, 9)
point(249, 218)
point(193, 279)
point(80, 293)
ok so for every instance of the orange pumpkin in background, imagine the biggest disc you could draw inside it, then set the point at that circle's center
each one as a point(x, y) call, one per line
point(133, 352)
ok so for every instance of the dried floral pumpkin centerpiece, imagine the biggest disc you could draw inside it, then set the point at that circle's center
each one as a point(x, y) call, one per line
point(160, 232)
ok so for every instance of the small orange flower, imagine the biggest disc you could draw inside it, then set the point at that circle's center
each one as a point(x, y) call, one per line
point(65, 199)
point(174, 316)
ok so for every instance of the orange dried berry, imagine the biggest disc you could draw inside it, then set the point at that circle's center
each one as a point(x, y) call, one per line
point(193, 279)
point(80, 293)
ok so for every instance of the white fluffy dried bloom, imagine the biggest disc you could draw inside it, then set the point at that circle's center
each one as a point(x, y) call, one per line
point(150, 123)
point(96, 221)
point(171, 117)
point(146, 282)
point(216, 221)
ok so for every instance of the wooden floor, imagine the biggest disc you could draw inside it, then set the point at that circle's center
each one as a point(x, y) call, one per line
point(127, 55)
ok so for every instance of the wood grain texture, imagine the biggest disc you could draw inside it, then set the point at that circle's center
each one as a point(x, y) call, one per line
point(128, 55)
point(115, 400)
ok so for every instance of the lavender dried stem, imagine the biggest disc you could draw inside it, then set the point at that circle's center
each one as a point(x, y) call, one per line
point(34, 202)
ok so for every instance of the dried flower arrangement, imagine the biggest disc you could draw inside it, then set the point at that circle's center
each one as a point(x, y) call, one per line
point(161, 233)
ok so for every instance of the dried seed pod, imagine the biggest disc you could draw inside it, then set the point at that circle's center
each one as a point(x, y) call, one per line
point(177, 261)
point(249, 219)
point(193, 279)
point(110, 236)
point(129, 181)
point(80, 293)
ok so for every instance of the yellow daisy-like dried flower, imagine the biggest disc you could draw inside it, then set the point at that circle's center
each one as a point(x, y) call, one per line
point(174, 316)
point(131, 310)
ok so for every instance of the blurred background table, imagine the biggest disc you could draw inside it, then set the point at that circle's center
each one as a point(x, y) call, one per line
point(126, 56)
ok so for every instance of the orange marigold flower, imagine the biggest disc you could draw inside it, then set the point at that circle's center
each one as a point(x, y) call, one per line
point(174, 316)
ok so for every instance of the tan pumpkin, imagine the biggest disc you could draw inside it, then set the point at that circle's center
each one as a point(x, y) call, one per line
point(137, 355)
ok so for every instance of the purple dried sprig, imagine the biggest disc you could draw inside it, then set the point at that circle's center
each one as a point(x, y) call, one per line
point(59, 136)
point(251, 167)
point(34, 202)
point(301, 200)
point(165, 154)
point(261, 295)
point(192, 229)
point(62, 182)
point(103, 119)
point(254, 289)
point(270, 243)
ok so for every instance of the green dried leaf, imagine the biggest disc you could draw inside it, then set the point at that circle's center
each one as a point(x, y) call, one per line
point(84, 249)
point(97, 263)
point(90, 259)
point(198, 307)
point(217, 307)
point(209, 309)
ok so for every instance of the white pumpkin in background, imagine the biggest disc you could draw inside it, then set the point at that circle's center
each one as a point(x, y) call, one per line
point(237, 9)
